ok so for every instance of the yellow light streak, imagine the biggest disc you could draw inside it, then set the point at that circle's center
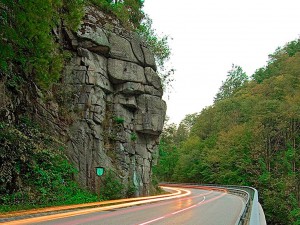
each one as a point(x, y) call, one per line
point(85, 205)
point(179, 192)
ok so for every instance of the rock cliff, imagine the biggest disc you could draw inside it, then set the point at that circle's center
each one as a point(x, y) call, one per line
point(108, 107)
point(118, 104)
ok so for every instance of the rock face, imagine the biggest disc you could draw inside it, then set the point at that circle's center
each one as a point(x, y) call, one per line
point(118, 100)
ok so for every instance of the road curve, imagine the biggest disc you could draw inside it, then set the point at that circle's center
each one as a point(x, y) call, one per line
point(190, 206)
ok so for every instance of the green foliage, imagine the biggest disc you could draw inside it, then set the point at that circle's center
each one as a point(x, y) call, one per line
point(72, 13)
point(112, 187)
point(249, 137)
point(236, 78)
point(34, 170)
point(128, 11)
point(185, 127)
point(168, 156)
point(26, 42)
point(14, 81)
point(119, 120)
point(131, 190)
point(133, 136)
point(276, 61)
point(160, 48)
point(158, 45)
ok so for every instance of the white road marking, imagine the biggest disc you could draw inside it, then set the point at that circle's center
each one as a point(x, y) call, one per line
point(159, 218)
point(202, 200)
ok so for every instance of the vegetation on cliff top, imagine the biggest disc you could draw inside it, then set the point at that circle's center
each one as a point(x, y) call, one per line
point(250, 136)
point(29, 47)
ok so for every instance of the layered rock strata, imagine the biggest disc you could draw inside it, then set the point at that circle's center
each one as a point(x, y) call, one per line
point(118, 100)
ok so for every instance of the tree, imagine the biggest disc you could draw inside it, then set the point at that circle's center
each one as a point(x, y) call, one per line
point(185, 126)
point(250, 136)
point(236, 78)
point(27, 46)
point(168, 155)
point(276, 61)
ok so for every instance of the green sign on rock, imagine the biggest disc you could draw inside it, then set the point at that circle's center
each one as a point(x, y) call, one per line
point(99, 171)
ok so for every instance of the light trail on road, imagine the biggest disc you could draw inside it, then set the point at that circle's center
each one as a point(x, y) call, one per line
point(187, 205)
point(182, 210)
point(179, 192)
point(85, 205)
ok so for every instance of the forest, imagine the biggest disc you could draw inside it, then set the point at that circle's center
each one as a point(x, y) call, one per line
point(249, 136)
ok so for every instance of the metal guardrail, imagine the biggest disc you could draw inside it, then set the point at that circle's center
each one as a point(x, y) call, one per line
point(252, 210)
point(246, 196)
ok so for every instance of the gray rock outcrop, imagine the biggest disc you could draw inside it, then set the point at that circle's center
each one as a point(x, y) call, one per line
point(118, 100)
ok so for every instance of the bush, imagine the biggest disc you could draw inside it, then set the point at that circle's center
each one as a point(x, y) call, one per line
point(128, 12)
point(112, 186)
point(27, 44)
point(34, 170)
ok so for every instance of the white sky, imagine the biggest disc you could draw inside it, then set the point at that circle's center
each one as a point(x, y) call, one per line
point(210, 35)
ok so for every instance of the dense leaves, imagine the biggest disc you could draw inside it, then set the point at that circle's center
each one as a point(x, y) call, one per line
point(159, 46)
point(26, 41)
point(250, 137)
point(167, 154)
point(112, 186)
point(236, 77)
point(129, 12)
point(34, 170)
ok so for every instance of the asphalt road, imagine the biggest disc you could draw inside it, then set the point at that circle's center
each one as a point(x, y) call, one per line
point(203, 207)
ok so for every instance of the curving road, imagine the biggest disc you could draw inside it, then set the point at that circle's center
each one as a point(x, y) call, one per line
point(189, 206)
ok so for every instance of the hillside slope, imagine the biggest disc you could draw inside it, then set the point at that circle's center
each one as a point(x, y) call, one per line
point(251, 137)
